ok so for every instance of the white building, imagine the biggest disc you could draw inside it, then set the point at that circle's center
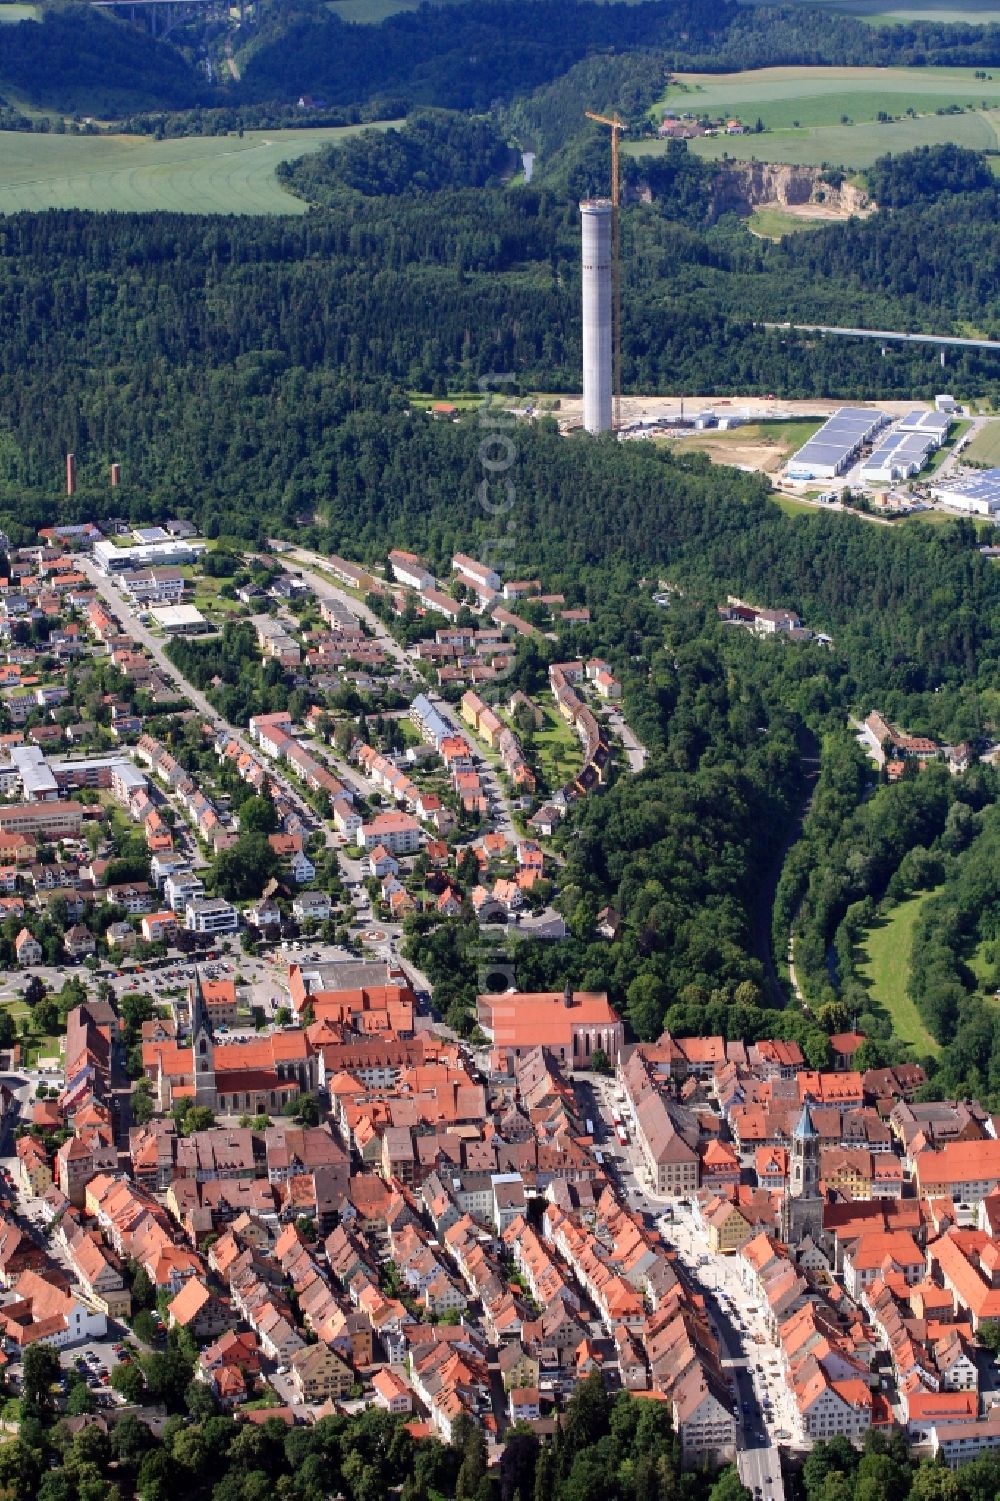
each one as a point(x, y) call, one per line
point(976, 495)
point(181, 888)
point(214, 916)
point(179, 620)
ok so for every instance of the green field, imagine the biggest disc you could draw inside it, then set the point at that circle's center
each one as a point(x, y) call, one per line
point(11, 13)
point(803, 110)
point(772, 223)
point(136, 174)
point(557, 751)
point(885, 969)
point(985, 446)
point(793, 507)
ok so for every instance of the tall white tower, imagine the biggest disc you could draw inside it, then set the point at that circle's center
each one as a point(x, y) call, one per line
point(595, 216)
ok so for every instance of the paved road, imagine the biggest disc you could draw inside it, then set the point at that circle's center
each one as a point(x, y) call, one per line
point(325, 590)
point(891, 334)
point(635, 751)
point(955, 456)
point(748, 1354)
point(110, 592)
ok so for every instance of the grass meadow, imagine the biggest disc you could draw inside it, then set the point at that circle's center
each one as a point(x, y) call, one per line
point(885, 969)
point(137, 174)
point(985, 446)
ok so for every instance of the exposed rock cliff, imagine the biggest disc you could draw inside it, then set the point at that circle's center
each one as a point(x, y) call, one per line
point(740, 187)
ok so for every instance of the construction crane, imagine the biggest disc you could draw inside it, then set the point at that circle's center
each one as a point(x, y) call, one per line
point(616, 126)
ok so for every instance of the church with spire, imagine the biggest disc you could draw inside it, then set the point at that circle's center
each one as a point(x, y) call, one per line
point(203, 1047)
point(259, 1075)
point(802, 1208)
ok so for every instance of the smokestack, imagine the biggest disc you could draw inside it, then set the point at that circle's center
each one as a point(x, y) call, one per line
point(568, 995)
point(595, 215)
point(70, 474)
point(116, 475)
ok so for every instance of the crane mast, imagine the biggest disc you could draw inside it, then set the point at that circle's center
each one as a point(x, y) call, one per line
point(616, 126)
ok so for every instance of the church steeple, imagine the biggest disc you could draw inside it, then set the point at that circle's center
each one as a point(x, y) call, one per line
point(202, 1045)
point(805, 1158)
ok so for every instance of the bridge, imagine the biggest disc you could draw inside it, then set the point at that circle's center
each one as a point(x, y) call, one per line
point(888, 335)
point(163, 15)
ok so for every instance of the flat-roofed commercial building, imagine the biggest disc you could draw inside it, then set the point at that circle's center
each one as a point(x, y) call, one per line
point(977, 495)
point(179, 620)
point(837, 444)
point(55, 820)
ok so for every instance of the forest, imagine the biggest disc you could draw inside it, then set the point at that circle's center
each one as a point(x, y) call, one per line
point(466, 57)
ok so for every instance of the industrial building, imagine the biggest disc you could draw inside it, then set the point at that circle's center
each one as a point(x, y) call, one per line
point(835, 447)
point(904, 452)
point(172, 553)
point(977, 494)
point(179, 620)
point(596, 222)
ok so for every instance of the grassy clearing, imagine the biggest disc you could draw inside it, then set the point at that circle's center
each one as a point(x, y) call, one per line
point(754, 445)
point(926, 518)
point(985, 446)
point(133, 174)
point(885, 969)
point(213, 605)
point(556, 749)
point(463, 401)
point(793, 507)
point(773, 223)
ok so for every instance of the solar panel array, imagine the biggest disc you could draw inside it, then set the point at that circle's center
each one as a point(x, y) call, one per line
point(838, 441)
point(983, 488)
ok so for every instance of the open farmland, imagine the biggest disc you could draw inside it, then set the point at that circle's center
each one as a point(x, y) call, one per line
point(814, 116)
point(136, 174)
point(985, 446)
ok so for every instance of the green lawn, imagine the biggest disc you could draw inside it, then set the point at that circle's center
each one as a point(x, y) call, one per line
point(886, 970)
point(793, 507)
point(985, 446)
point(131, 174)
point(772, 223)
point(209, 601)
point(557, 751)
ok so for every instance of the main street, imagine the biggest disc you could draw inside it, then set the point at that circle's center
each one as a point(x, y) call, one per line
point(762, 1402)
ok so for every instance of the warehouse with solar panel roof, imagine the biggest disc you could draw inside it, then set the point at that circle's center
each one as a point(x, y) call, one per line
point(837, 444)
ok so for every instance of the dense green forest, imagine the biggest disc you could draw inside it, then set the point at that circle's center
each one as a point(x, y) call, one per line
point(465, 56)
point(136, 337)
point(954, 968)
